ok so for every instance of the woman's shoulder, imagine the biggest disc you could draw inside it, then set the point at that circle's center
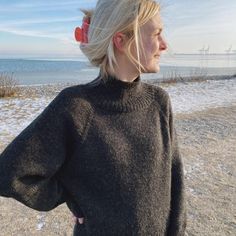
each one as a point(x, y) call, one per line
point(78, 91)
point(160, 94)
point(162, 100)
point(74, 98)
point(73, 92)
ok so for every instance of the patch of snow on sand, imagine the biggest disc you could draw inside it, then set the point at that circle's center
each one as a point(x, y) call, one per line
point(41, 221)
point(17, 114)
point(190, 97)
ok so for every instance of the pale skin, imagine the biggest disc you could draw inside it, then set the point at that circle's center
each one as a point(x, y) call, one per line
point(153, 46)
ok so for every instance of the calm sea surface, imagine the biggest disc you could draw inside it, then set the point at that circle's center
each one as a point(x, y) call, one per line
point(29, 72)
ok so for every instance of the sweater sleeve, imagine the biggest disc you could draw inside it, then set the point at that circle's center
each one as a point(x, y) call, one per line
point(177, 219)
point(30, 165)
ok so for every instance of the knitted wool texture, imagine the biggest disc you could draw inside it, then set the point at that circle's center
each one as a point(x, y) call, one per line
point(107, 149)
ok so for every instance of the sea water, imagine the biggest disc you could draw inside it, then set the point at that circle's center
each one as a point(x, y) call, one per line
point(43, 71)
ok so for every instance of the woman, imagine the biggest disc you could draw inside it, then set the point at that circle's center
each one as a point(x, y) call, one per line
point(107, 148)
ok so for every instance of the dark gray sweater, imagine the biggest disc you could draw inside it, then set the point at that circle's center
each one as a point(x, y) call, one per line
point(107, 149)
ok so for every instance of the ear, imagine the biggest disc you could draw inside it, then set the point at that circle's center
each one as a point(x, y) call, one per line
point(119, 41)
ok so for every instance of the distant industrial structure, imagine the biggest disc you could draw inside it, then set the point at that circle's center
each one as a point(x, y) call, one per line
point(204, 50)
point(229, 50)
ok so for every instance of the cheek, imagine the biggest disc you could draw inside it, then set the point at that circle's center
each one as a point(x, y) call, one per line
point(150, 51)
point(154, 46)
point(151, 47)
point(147, 49)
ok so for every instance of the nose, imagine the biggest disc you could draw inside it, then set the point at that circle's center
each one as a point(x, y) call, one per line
point(163, 44)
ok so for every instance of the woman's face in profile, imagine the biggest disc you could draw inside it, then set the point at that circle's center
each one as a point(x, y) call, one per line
point(153, 44)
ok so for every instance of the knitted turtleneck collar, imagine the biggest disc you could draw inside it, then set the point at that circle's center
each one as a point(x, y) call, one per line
point(116, 83)
point(117, 95)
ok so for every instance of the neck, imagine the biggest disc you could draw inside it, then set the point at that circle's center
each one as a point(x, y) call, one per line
point(124, 70)
point(125, 76)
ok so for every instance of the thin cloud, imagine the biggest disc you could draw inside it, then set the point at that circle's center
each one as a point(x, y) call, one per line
point(35, 33)
point(43, 6)
point(41, 21)
point(205, 18)
point(195, 12)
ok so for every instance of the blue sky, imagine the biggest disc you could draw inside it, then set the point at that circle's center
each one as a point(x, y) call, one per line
point(43, 28)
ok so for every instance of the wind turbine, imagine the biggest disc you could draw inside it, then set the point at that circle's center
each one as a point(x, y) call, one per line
point(202, 50)
point(207, 50)
point(229, 50)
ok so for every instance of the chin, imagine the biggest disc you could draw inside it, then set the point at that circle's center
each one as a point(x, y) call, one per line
point(154, 69)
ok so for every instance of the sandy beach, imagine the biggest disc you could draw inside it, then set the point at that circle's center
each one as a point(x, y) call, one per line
point(208, 146)
point(207, 141)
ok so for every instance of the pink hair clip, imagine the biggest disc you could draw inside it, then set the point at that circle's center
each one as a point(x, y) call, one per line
point(81, 34)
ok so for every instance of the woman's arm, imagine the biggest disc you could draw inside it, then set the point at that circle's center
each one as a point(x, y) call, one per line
point(30, 165)
point(177, 219)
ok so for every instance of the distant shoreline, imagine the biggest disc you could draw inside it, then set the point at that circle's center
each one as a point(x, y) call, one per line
point(193, 78)
point(178, 79)
point(210, 54)
point(83, 58)
point(50, 70)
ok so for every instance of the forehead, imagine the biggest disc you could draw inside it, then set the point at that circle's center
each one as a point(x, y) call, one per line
point(155, 23)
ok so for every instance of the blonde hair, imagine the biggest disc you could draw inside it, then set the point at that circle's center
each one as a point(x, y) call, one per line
point(109, 17)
